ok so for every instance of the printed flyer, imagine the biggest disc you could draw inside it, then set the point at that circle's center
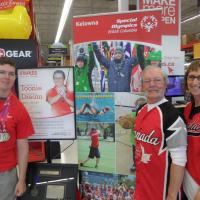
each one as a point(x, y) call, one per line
point(48, 95)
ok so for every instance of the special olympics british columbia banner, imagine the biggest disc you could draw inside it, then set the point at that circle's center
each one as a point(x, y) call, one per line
point(110, 51)
point(143, 26)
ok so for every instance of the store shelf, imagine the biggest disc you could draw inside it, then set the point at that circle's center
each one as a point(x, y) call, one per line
point(189, 45)
point(189, 51)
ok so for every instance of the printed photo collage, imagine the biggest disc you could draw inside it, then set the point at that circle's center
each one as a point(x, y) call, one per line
point(107, 78)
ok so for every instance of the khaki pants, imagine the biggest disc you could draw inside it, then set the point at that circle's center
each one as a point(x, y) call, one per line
point(8, 181)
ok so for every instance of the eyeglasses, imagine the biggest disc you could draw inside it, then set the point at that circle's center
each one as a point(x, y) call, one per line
point(4, 73)
point(192, 78)
point(156, 81)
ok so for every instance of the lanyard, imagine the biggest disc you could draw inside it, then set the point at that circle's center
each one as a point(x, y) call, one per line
point(4, 114)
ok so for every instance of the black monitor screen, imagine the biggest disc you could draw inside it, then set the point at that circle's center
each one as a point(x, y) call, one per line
point(175, 86)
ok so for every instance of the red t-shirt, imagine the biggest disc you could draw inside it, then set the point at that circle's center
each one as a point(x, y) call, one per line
point(193, 150)
point(60, 107)
point(95, 139)
point(19, 126)
point(156, 130)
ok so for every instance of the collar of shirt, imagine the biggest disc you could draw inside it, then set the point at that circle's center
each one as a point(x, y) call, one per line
point(153, 105)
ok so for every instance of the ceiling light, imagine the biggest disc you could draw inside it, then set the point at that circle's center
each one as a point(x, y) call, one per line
point(191, 18)
point(65, 12)
point(187, 64)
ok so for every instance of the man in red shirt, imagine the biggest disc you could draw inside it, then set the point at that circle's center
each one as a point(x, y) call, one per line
point(15, 127)
point(60, 97)
point(94, 147)
point(161, 140)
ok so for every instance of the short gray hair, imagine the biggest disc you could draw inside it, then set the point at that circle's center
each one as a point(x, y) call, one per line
point(165, 76)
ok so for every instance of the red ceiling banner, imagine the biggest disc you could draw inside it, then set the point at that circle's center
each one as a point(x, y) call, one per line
point(143, 26)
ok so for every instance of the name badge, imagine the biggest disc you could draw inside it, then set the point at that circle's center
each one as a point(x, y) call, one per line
point(4, 137)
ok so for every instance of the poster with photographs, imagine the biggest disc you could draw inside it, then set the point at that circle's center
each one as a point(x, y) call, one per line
point(108, 66)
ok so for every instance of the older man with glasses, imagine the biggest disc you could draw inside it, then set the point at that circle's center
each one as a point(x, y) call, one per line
point(160, 142)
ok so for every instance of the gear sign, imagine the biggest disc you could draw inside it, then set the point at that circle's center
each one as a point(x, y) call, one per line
point(148, 23)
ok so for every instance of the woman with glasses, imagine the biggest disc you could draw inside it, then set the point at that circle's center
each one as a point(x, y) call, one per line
point(191, 184)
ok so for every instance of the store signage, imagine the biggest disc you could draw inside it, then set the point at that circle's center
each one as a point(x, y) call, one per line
point(54, 58)
point(135, 26)
point(173, 64)
point(170, 13)
point(15, 54)
point(57, 50)
point(23, 52)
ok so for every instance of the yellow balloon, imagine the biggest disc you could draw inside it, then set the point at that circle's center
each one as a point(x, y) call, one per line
point(15, 23)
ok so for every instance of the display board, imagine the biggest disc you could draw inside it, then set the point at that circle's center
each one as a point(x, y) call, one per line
point(107, 72)
point(48, 95)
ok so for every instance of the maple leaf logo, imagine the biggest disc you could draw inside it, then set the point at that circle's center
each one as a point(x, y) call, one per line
point(148, 23)
point(145, 157)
